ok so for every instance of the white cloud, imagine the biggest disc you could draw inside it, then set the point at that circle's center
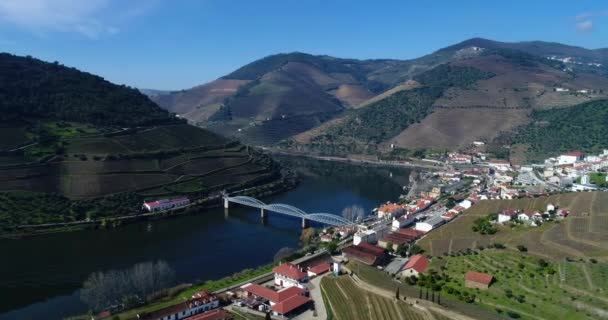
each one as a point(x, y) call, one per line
point(584, 26)
point(584, 21)
point(90, 18)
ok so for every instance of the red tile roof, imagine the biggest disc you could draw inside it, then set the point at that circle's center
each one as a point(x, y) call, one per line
point(397, 238)
point(271, 295)
point(290, 304)
point(288, 270)
point(417, 262)
point(215, 314)
point(574, 154)
point(364, 257)
point(479, 277)
point(370, 248)
point(410, 232)
point(320, 268)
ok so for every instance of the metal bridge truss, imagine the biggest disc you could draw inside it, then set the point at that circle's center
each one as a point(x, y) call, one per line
point(325, 218)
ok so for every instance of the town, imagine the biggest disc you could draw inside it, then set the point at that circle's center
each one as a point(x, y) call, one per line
point(386, 240)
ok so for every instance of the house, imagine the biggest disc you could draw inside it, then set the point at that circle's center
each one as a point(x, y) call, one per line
point(500, 165)
point(165, 204)
point(318, 269)
point(456, 158)
point(465, 204)
point(570, 158)
point(448, 216)
point(478, 280)
point(390, 210)
point(365, 236)
point(288, 275)
point(430, 224)
point(403, 221)
point(199, 302)
point(529, 215)
point(415, 266)
point(507, 215)
point(281, 302)
point(366, 253)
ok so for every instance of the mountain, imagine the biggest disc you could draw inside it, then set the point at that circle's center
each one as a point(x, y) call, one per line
point(74, 146)
point(473, 90)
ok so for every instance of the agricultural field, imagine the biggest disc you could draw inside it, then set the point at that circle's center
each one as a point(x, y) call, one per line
point(350, 302)
point(584, 233)
point(81, 162)
point(526, 286)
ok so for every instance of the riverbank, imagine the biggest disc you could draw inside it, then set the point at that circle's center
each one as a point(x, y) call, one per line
point(196, 207)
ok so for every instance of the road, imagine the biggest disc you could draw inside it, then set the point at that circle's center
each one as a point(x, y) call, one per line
point(359, 161)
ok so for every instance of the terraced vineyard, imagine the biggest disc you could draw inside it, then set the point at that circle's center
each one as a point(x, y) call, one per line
point(150, 163)
point(582, 234)
point(528, 287)
point(350, 302)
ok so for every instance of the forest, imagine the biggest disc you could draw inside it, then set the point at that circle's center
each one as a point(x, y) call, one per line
point(32, 88)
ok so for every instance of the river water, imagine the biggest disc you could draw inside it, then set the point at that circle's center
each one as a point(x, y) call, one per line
point(40, 276)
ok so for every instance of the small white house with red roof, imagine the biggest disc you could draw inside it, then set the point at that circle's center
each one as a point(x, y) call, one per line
point(507, 215)
point(318, 269)
point(289, 275)
point(416, 265)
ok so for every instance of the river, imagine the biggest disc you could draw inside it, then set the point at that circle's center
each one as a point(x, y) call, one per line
point(40, 276)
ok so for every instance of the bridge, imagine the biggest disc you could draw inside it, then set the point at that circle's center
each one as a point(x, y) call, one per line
point(324, 218)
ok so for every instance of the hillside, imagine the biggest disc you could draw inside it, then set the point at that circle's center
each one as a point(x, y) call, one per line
point(581, 127)
point(324, 104)
point(32, 88)
point(74, 146)
point(467, 109)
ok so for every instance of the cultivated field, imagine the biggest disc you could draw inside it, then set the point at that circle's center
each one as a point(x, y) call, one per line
point(350, 302)
point(583, 234)
point(528, 287)
point(157, 159)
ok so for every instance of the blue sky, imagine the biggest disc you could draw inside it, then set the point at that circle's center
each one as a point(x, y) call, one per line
point(177, 44)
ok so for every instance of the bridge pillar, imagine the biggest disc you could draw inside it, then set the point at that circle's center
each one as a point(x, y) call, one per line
point(226, 203)
point(262, 213)
point(304, 223)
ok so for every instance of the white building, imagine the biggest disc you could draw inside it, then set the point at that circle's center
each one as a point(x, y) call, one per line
point(430, 224)
point(465, 204)
point(199, 303)
point(402, 222)
point(365, 236)
point(583, 187)
point(507, 215)
point(570, 158)
point(500, 165)
point(289, 275)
